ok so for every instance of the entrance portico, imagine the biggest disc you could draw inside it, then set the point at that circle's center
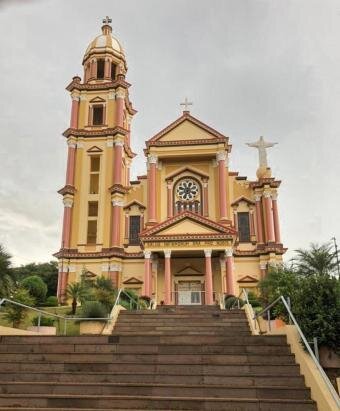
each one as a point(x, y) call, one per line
point(188, 271)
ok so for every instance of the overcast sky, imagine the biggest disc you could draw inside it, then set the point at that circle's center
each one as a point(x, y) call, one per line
point(251, 67)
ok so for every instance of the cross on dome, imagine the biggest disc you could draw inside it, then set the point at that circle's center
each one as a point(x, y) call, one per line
point(107, 20)
point(186, 103)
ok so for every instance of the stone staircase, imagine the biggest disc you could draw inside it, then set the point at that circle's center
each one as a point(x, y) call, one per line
point(173, 358)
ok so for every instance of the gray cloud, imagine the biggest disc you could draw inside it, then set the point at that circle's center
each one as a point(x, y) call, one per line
point(252, 68)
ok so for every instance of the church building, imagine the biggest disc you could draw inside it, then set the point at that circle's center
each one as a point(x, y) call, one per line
point(187, 231)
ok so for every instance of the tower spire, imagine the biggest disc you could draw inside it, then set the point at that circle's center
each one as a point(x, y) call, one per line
point(106, 27)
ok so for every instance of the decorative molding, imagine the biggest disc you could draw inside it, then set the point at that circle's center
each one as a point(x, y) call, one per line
point(109, 143)
point(80, 145)
point(120, 94)
point(71, 143)
point(274, 195)
point(94, 149)
point(221, 155)
point(115, 267)
point(119, 143)
point(167, 253)
point(112, 95)
point(263, 266)
point(152, 159)
point(229, 252)
point(147, 254)
point(68, 202)
point(207, 252)
point(71, 268)
point(267, 194)
point(105, 267)
point(240, 199)
point(68, 189)
point(257, 197)
point(117, 203)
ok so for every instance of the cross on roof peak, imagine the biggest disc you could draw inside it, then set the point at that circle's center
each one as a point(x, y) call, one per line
point(107, 20)
point(186, 103)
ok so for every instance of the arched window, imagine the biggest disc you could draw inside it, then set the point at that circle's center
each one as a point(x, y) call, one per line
point(187, 196)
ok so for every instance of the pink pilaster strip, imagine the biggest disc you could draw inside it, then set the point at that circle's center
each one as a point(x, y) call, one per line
point(229, 274)
point(259, 224)
point(269, 219)
point(208, 279)
point(276, 222)
point(167, 278)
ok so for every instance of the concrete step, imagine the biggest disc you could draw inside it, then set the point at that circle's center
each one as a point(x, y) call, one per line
point(113, 358)
point(160, 368)
point(48, 339)
point(180, 329)
point(154, 389)
point(150, 402)
point(232, 380)
point(194, 331)
point(144, 348)
point(205, 339)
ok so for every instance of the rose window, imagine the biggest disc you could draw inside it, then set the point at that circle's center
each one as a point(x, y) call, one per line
point(187, 190)
point(187, 196)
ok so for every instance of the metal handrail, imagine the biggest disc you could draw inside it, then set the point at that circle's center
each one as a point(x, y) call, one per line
point(69, 318)
point(303, 338)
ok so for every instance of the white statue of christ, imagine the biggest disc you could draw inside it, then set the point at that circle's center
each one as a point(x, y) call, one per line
point(262, 145)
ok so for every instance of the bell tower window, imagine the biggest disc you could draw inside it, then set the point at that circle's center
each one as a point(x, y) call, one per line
point(98, 115)
point(134, 229)
point(94, 174)
point(100, 68)
point(243, 227)
point(187, 196)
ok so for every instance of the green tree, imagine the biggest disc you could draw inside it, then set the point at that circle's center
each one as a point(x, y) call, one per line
point(36, 287)
point(104, 292)
point(318, 260)
point(78, 293)
point(317, 309)
point(7, 276)
point(47, 271)
point(281, 280)
point(15, 314)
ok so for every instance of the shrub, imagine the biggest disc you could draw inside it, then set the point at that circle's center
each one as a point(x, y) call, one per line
point(15, 314)
point(44, 321)
point(51, 301)
point(230, 302)
point(93, 309)
point(36, 287)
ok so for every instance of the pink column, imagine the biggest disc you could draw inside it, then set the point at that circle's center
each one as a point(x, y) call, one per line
point(229, 271)
point(142, 221)
point(59, 285)
point(259, 224)
point(167, 277)
point(205, 199)
point(252, 224)
point(152, 188)
point(126, 235)
point(74, 112)
point(114, 274)
point(118, 162)
point(209, 300)
point(169, 199)
point(269, 217)
point(147, 273)
point(276, 220)
point(71, 160)
point(222, 184)
point(115, 228)
point(120, 95)
point(235, 220)
point(263, 270)
point(67, 220)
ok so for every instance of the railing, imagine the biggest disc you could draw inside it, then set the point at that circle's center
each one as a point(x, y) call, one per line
point(72, 318)
point(292, 319)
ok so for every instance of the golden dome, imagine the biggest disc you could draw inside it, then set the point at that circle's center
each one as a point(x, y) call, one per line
point(105, 43)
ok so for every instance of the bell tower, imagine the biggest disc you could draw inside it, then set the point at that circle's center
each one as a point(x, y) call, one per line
point(98, 163)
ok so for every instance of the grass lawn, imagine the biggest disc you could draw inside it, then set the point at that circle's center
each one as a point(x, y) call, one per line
point(71, 329)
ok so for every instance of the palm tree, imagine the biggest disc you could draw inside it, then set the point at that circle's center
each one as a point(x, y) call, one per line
point(318, 260)
point(78, 292)
point(7, 276)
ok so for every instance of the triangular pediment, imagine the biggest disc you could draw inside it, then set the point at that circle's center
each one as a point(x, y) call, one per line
point(94, 149)
point(187, 223)
point(187, 128)
point(188, 270)
point(97, 100)
point(133, 280)
point(247, 279)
